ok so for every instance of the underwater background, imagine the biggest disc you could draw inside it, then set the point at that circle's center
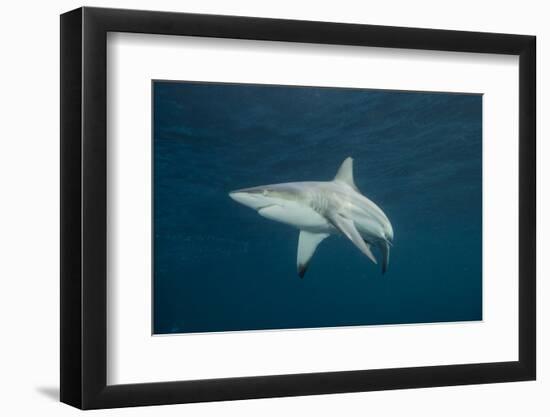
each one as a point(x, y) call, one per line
point(219, 266)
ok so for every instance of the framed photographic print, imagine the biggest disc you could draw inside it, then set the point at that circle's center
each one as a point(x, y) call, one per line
point(258, 207)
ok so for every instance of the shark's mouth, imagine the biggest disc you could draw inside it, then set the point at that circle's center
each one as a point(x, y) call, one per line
point(266, 207)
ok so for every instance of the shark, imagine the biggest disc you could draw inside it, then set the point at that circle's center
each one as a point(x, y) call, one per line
point(319, 209)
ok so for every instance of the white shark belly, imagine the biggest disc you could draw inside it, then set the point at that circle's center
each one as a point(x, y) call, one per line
point(297, 215)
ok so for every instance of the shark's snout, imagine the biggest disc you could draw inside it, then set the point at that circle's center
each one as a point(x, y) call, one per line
point(238, 196)
point(250, 197)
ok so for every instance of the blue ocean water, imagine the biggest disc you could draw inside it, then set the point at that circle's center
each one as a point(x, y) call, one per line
point(219, 266)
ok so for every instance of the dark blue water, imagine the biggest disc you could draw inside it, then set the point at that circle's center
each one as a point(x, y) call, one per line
point(219, 266)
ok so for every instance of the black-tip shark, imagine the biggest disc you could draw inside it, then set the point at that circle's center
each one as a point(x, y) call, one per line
point(319, 209)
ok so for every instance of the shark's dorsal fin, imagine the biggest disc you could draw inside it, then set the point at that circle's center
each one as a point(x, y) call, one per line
point(345, 173)
point(307, 243)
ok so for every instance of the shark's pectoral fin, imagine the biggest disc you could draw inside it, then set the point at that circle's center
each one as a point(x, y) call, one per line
point(347, 227)
point(307, 243)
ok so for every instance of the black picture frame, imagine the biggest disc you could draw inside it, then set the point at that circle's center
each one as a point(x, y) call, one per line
point(84, 207)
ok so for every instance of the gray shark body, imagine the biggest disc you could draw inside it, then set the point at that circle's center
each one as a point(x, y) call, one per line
point(319, 209)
